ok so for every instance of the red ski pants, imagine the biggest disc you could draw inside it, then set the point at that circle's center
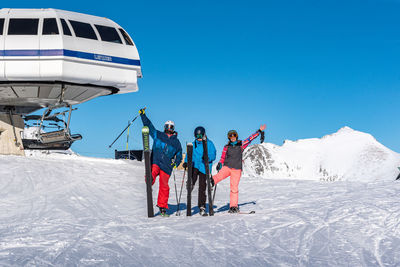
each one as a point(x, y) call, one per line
point(163, 190)
point(235, 175)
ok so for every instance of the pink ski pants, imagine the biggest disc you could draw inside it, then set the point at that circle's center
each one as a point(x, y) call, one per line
point(235, 175)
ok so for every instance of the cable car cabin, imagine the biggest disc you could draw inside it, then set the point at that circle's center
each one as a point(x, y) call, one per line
point(49, 56)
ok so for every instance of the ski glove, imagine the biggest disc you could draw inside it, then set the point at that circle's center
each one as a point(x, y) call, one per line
point(142, 111)
point(219, 166)
point(262, 137)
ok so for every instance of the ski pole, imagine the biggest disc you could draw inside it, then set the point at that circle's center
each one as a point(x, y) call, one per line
point(180, 194)
point(176, 191)
point(215, 191)
point(124, 130)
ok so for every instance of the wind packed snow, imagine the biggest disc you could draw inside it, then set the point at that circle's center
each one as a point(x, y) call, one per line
point(67, 210)
point(346, 155)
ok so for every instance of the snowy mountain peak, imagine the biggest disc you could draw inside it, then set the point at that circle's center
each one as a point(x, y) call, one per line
point(345, 129)
point(345, 155)
point(348, 131)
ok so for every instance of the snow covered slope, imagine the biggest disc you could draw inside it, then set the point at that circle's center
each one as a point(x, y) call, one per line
point(67, 210)
point(345, 155)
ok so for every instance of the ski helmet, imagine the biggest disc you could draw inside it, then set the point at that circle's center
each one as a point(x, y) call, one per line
point(199, 132)
point(169, 126)
point(232, 133)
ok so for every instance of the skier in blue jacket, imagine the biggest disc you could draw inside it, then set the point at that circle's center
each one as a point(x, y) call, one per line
point(166, 154)
point(199, 168)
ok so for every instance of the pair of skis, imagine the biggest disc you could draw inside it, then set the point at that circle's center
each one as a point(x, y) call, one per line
point(189, 155)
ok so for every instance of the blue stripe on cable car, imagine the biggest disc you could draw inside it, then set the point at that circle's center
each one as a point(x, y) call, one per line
point(69, 53)
point(21, 53)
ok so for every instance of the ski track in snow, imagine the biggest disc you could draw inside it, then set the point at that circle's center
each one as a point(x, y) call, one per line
point(67, 210)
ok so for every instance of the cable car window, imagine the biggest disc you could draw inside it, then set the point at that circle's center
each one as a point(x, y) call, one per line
point(83, 30)
point(65, 27)
point(1, 26)
point(50, 27)
point(23, 27)
point(108, 34)
point(128, 40)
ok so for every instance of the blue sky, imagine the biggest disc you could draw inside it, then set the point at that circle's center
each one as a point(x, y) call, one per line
point(305, 68)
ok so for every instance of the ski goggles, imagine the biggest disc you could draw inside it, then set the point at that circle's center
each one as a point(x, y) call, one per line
point(232, 134)
point(169, 127)
point(199, 136)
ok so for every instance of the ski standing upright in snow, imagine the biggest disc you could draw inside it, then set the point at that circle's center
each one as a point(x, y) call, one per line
point(189, 154)
point(147, 163)
point(206, 164)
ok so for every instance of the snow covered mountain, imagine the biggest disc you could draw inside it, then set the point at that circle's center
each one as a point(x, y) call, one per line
point(345, 155)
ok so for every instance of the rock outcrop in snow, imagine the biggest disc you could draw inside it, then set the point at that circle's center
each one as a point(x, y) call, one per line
point(345, 155)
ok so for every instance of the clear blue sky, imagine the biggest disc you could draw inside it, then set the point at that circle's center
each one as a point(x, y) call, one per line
point(305, 68)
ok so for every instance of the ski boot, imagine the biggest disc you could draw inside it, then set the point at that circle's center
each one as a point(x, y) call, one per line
point(203, 211)
point(233, 210)
point(163, 212)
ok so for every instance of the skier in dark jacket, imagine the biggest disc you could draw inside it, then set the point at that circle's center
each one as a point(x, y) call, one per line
point(230, 164)
point(166, 155)
point(199, 168)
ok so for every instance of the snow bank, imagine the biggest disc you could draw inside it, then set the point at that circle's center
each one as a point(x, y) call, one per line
point(345, 155)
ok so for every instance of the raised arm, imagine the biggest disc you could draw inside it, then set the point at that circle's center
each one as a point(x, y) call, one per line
point(147, 122)
point(249, 139)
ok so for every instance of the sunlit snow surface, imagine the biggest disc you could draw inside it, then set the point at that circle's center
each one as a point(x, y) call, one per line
point(66, 210)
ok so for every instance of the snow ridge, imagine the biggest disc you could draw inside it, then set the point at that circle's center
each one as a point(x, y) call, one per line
point(345, 155)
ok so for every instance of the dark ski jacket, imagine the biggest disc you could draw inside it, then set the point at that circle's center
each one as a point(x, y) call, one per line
point(165, 148)
point(197, 157)
point(232, 154)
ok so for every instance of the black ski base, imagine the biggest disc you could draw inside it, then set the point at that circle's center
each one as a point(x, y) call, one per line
point(246, 212)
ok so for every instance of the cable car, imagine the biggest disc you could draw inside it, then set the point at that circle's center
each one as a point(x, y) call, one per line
point(50, 56)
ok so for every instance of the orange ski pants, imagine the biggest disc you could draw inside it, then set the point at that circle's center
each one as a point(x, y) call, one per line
point(235, 175)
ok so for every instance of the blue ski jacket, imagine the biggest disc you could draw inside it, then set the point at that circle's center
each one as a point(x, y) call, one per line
point(165, 148)
point(197, 157)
